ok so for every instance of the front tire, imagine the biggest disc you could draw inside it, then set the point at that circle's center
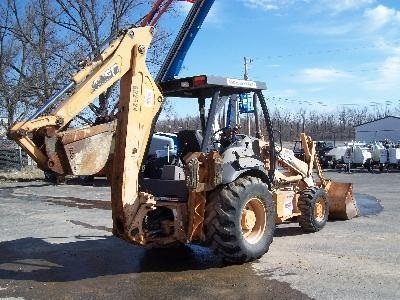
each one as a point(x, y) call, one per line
point(240, 220)
point(314, 207)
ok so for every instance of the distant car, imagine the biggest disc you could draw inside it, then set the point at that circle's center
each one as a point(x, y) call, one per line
point(321, 148)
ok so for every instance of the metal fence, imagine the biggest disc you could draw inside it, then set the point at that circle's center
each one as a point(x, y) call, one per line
point(12, 156)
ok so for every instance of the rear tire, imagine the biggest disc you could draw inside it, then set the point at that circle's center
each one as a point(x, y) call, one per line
point(240, 220)
point(314, 207)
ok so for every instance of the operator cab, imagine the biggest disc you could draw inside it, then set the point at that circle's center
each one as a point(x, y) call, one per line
point(220, 126)
point(227, 97)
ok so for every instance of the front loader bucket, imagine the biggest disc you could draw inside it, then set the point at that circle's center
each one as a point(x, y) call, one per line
point(342, 204)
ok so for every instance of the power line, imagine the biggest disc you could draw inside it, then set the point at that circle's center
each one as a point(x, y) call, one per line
point(363, 70)
point(328, 51)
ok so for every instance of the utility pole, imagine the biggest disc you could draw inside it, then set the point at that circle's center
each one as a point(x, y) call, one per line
point(247, 61)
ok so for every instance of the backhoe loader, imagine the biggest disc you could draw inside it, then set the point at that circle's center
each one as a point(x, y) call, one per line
point(224, 189)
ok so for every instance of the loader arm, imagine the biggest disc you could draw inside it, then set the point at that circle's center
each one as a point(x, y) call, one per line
point(298, 169)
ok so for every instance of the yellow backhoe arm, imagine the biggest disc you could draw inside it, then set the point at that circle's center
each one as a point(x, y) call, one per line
point(140, 101)
point(126, 52)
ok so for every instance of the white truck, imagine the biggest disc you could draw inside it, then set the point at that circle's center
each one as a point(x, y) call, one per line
point(389, 157)
point(357, 155)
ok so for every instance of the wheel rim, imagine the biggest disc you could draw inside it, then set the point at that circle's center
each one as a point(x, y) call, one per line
point(253, 220)
point(319, 209)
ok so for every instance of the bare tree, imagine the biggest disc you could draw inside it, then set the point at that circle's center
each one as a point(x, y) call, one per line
point(42, 42)
point(13, 60)
point(34, 57)
point(93, 21)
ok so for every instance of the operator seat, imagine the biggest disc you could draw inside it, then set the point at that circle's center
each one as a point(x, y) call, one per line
point(189, 141)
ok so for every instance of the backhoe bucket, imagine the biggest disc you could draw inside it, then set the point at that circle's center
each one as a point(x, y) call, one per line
point(342, 204)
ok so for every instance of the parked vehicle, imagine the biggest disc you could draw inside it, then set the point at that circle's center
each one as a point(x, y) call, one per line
point(229, 196)
point(321, 148)
point(376, 149)
point(334, 157)
point(356, 155)
point(390, 156)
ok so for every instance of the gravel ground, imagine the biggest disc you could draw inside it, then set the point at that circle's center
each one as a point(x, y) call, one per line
point(29, 173)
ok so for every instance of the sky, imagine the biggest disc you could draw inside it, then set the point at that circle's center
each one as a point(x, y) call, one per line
point(317, 55)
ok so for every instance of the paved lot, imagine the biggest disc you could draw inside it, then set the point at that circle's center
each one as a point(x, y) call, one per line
point(356, 259)
point(55, 243)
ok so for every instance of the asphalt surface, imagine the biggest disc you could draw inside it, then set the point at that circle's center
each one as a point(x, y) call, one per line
point(56, 243)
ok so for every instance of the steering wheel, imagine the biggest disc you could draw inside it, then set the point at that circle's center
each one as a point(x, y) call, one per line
point(228, 135)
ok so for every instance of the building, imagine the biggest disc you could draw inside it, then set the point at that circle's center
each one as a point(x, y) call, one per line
point(379, 130)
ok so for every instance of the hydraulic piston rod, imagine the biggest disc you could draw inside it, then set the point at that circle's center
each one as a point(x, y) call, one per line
point(51, 101)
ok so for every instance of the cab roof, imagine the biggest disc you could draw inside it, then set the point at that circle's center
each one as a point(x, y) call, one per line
point(205, 86)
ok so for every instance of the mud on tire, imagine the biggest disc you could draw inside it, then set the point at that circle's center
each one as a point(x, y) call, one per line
point(314, 206)
point(240, 220)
